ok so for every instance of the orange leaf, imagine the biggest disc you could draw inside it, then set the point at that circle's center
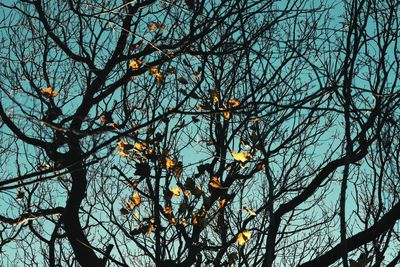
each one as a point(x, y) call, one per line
point(150, 229)
point(152, 26)
point(234, 102)
point(49, 92)
point(169, 163)
point(215, 183)
point(168, 210)
point(227, 115)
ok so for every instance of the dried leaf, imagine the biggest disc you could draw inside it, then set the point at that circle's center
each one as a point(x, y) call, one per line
point(152, 26)
point(215, 99)
point(49, 92)
point(234, 102)
point(140, 146)
point(169, 163)
point(173, 221)
point(136, 199)
point(176, 191)
point(154, 71)
point(214, 182)
point(241, 156)
point(124, 146)
point(243, 237)
point(222, 203)
point(187, 193)
point(184, 222)
point(227, 115)
point(168, 210)
point(135, 64)
point(250, 211)
point(123, 154)
point(215, 95)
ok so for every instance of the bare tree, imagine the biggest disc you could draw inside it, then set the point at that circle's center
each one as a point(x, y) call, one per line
point(199, 133)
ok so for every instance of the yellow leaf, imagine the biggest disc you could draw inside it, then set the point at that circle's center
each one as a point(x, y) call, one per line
point(136, 199)
point(215, 183)
point(176, 191)
point(123, 154)
point(241, 156)
point(169, 163)
point(49, 92)
point(234, 102)
point(124, 146)
point(215, 99)
point(153, 70)
point(221, 204)
point(243, 237)
point(135, 64)
point(140, 146)
point(250, 211)
point(159, 77)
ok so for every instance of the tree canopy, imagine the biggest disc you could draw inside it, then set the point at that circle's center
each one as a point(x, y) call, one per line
point(199, 133)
